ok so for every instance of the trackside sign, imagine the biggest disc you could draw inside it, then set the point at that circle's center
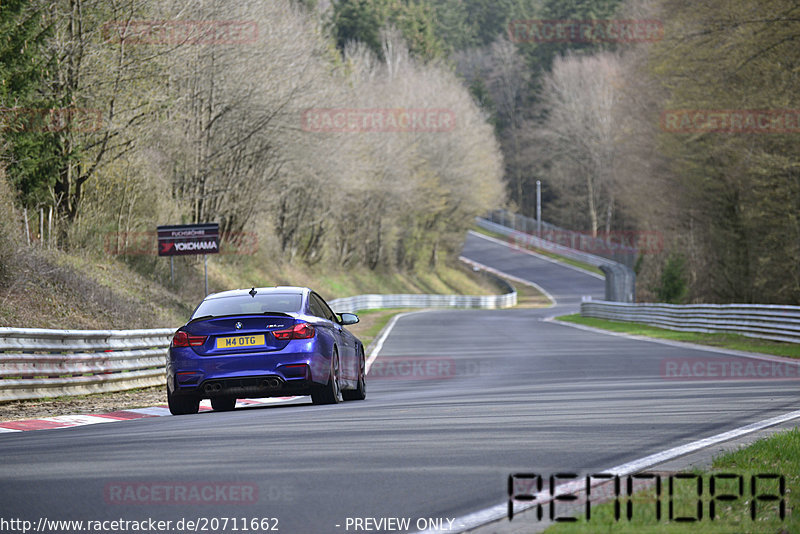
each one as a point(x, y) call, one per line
point(188, 239)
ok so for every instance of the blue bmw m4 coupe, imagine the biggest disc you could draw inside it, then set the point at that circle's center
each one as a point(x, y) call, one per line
point(264, 342)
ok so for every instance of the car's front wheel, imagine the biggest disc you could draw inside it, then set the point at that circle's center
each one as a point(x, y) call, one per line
point(329, 393)
point(182, 405)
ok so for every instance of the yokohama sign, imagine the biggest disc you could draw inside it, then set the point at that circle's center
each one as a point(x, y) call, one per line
point(188, 239)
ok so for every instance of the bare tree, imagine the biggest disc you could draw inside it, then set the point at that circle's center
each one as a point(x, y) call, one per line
point(499, 76)
point(427, 184)
point(581, 132)
point(106, 90)
point(212, 130)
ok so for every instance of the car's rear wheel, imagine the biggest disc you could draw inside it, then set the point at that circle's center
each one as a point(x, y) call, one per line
point(182, 405)
point(360, 393)
point(329, 393)
point(223, 404)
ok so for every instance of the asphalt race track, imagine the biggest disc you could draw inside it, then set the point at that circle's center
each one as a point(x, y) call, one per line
point(457, 400)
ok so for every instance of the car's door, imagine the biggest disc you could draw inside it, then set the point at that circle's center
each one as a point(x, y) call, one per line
point(346, 341)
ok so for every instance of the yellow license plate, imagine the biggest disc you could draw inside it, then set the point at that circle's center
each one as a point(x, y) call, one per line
point(239, 341)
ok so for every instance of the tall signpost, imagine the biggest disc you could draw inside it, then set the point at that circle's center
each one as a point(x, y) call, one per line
point(539, 208)
point(189, 239)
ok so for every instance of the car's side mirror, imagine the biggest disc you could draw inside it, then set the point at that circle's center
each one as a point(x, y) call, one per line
point(348, 318)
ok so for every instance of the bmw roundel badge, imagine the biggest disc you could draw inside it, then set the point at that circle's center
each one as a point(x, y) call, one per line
point(238, 325)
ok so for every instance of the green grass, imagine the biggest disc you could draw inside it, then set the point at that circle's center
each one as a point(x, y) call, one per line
point(449, 277)
point(778, 454)
point(371, 322)
point(726, 341)
point(86, 290)
point(529, 296)
point(549, 254)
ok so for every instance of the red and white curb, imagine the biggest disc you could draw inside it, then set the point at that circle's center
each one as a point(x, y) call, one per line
point(69, 421)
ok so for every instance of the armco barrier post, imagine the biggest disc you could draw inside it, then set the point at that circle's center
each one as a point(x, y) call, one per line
point(620, 282)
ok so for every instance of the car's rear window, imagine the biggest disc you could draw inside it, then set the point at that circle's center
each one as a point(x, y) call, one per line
point(244, 304)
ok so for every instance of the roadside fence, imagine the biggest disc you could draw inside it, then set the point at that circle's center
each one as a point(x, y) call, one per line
point(37, 363)
point(765, 321)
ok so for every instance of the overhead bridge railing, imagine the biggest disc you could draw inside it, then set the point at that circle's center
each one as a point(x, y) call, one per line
point(778, 323)
point(37, 363)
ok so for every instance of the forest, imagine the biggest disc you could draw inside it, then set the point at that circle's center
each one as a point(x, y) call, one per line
point(594, 118)
point(124, 114)
point(671, 117)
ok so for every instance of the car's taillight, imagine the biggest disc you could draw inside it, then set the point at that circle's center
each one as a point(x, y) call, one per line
point(183, 339)
point(302, 331)
point(298, 331)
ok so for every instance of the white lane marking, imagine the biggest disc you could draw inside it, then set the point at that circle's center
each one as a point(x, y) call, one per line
point(258, 402)
point(154, 410)
point(681, 450)
point(71, 421)
point(510, 277)
point(540, 256)
point(252, 402)
point(386, 331)
point(499, 511)
point(678, 344)
point(77, 420)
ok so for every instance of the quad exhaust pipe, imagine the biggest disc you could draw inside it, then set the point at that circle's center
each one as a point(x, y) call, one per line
point(267, 383)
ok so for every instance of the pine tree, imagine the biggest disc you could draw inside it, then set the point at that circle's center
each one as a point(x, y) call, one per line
point(363, 20)
point(673, 286)
point(541, 55)
point(27, 125)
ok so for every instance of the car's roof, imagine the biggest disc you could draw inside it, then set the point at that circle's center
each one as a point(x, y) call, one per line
point(259, 290)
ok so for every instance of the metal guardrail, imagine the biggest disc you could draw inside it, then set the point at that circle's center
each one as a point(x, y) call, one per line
point(37, 363)
point(371, 302)
point(600, 245)
point(620, 279)
point(779, 323)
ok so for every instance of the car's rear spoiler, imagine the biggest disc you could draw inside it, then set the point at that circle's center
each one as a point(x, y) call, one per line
point(238, 315)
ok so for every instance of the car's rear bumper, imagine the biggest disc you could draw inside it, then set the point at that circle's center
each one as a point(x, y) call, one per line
point(248, 387)
point(252, 375)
